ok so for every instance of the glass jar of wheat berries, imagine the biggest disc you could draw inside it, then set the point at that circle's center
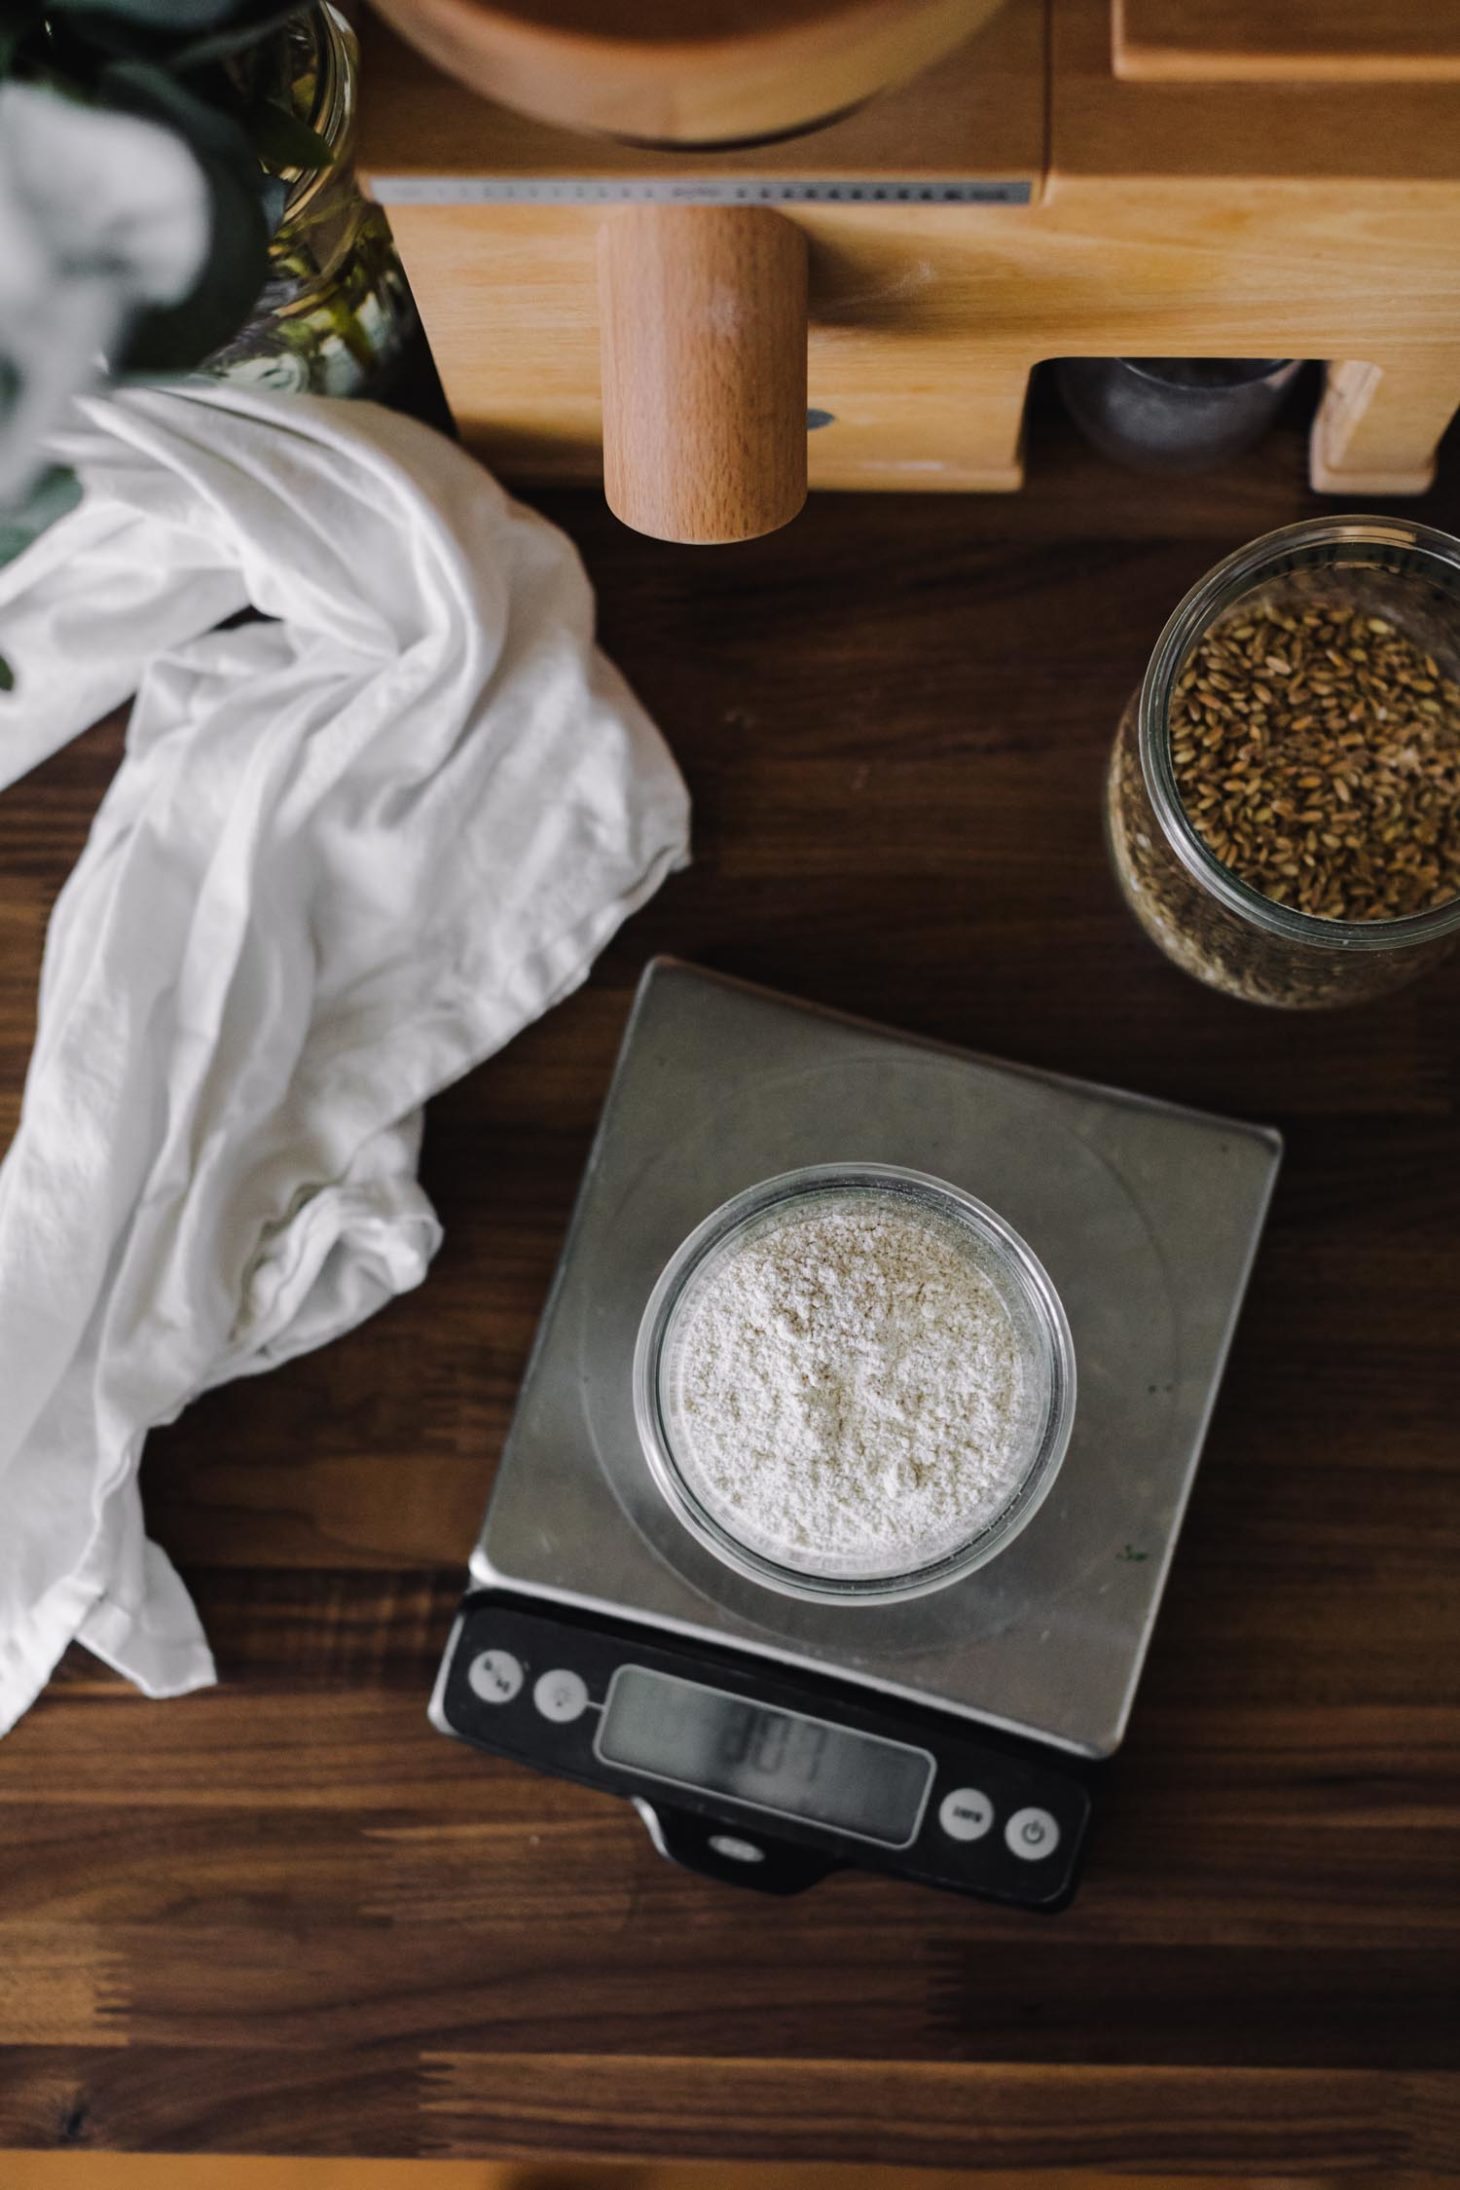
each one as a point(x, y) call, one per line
point(1283, 802)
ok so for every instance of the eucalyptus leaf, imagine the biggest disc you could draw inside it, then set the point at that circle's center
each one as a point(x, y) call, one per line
point(57, 490)
point(282, 139)
point(175, 337)
point(240, 35)
point(176, 16)
point(7, 676)
point(83, 41)
point(17, 21)
point(178, 336)
point(86, 33)
point(216, 138)
point(216, 84)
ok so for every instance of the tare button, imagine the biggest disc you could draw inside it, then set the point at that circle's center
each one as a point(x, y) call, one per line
point(966, 1814)
point(1032, 1834)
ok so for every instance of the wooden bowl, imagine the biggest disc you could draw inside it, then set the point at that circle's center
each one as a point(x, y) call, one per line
point(692, 72)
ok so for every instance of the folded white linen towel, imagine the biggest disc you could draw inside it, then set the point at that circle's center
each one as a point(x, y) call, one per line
point(348, 854)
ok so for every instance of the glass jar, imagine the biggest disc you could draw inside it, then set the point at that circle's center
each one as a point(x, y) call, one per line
point(1190, 902)
point(336, 311)
point(1039, 1434)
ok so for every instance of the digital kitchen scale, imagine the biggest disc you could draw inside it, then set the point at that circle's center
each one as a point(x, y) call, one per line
point(951, 1738)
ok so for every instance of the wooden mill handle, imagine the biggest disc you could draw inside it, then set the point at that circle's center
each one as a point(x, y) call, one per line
point(703, 326)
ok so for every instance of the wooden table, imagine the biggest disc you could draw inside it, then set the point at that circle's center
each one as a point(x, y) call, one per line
point(284, 1916)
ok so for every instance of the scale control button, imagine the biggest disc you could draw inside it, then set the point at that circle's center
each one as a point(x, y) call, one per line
point(966, 1814)
point(738, 1851)
point(495, 1676)
point(1032, 1834)
point(561, 1695)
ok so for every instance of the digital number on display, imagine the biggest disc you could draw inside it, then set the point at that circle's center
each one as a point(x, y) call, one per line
point(801, 1767)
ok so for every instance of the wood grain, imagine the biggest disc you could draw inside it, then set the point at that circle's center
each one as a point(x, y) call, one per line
point(725, 70)
point(985, 102)
point(284, 1916)
point(156, 2171)
point(936, 2113)
point(702, 317)
point(1378, 426)
point(1304, 41)
point(1226, 219)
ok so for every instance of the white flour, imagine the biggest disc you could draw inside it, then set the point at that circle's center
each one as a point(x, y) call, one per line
point(845, 1385)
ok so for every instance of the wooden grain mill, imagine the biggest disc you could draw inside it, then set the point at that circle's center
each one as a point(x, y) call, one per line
point(641, 249)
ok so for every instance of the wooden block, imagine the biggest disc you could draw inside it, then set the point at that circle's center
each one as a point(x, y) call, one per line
point(1301, 41)
point(1304, 136)
point(1378, 426)
point(1173, 219)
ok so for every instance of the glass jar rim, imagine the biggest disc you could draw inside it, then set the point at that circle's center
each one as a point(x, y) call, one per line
point(1025, 1270)
point(1291, 547)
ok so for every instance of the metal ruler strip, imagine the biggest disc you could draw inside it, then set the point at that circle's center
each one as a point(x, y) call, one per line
point(676, 190)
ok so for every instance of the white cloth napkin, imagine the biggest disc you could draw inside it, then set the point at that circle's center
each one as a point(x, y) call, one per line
point(348, 854)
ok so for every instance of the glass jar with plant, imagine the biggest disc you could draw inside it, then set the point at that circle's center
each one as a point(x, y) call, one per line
point(177, 191)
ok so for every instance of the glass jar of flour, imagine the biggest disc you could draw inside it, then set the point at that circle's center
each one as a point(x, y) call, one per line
point(854, 1382)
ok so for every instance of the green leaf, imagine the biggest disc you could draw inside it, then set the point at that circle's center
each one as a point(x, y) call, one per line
point(282, 139)
point(81, 35)
point(17, 21)
point(174, 337)
point(56, 491)
point(240, 36)
point(216, 138)
point(176, 16)
point(81, 42)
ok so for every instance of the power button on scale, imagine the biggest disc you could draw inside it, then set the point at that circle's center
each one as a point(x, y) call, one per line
point(561, 1695)
point(1032, 1834)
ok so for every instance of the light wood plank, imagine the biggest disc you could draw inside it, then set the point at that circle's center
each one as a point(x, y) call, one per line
point(1303, 41)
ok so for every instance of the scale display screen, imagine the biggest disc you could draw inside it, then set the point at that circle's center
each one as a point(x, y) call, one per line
point(799, 1767)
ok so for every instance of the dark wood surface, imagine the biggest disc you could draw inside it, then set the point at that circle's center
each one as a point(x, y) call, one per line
point(286, 1916)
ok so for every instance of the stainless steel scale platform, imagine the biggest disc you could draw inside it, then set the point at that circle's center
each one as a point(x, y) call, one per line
point(1146, 1218)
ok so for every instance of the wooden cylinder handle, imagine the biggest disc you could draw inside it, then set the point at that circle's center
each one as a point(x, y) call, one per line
point(703, 326)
